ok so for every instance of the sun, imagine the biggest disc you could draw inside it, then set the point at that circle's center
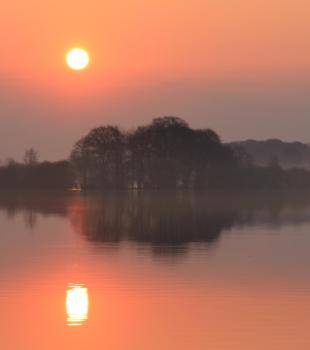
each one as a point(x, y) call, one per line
point(77, 58)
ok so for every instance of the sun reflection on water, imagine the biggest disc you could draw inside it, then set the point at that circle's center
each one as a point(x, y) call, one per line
point(77, 304)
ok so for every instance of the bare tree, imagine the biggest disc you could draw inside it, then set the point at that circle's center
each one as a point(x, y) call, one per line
point(30, 156)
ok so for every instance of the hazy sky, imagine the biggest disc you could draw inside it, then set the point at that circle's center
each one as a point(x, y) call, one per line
point(239, 67)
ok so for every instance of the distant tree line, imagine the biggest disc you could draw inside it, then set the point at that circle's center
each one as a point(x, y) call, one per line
point(165, 154)
point(32, 174)
point(289, 154)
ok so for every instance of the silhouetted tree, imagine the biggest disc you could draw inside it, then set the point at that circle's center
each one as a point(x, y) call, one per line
point(158, 153)
point(81, 158)
point(166, 154)
point(99, 158)
point(30, 156)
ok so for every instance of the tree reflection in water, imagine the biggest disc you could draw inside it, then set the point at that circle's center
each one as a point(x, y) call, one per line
point(167, 221)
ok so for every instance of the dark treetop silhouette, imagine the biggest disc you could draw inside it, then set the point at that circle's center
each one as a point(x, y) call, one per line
point(165, 154)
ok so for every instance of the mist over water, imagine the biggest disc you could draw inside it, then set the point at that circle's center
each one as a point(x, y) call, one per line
point(161, 270)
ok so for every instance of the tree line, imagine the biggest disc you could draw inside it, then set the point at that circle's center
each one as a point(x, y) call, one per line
point(164, 154)
point(169, 154)
point(35, 175)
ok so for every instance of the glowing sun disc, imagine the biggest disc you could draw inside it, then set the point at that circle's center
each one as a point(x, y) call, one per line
point(77, 59)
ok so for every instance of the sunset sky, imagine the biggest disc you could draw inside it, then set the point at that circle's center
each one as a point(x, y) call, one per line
point(239, 67)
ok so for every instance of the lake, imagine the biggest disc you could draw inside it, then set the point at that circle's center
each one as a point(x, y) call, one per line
point(146, 271)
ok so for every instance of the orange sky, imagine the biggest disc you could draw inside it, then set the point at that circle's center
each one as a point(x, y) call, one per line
point(219, 57)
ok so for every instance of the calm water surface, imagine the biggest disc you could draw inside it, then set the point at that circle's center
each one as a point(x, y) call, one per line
point(154, 271)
